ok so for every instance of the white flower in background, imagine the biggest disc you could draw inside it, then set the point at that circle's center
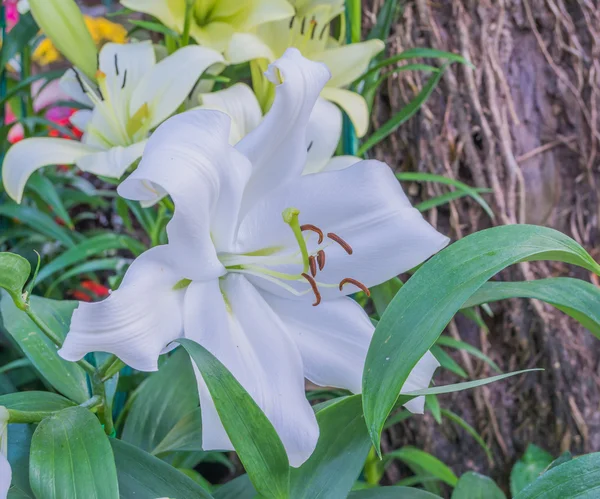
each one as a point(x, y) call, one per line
point(308, 31)
point(260, 260)
point(322, 133)
point(213, 22)
point(5, 471)
point(133, 95)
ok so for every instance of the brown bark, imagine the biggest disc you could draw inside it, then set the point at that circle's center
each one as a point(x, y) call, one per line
point(524, 123)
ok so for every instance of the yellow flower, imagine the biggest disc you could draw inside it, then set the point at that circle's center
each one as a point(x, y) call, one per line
point(102, 31)
point(308, 31)
point(214, 22)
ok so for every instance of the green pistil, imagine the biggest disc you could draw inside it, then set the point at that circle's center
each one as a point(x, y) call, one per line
point(290, 217)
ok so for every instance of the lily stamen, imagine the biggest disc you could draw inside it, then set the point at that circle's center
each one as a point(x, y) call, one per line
point(334, 237)
point(314, 287)
point(314, 228)
point(313, 265)
point(321, 259)
point(358, 284)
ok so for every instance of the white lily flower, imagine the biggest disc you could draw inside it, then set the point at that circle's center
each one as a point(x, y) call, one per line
point(5, 470)
point(134, 94)
point(308, 31)
point(213, 22)
point(260, 260)
point(322, 133)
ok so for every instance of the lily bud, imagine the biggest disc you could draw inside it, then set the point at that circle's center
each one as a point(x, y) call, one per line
point(62, 22)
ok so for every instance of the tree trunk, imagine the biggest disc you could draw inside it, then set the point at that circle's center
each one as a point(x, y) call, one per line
point(525, 124)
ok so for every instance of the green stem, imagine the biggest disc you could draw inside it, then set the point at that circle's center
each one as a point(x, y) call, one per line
point(15, 416)
point(27, 102)
point(112, 370)
point(104, 412)
point(185, 36)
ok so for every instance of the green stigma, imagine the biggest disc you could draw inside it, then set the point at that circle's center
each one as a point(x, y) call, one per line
point(290, 217)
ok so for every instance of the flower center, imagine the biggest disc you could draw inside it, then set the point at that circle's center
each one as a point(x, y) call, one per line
point(261, 263)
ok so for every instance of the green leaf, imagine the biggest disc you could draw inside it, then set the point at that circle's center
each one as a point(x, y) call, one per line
point(574, 297)
point(433, 404)
point(258, 446)
point(19, 443)
point(401, 116)
point(440, 179)
point(431, 464)
point(18, 37)
point(112, 264)
point(142, 476)
point(461, 345)
point(423, 307)
point(14, 272)
point(446, 198)
point(37, 220)
point(67, 377)
point(392, 493)
point(161, 402)
point(340, 454)
point(35, 401)
point(455, 418)
point(83, 251)
point(527, 469)
point(447, 362)
point(239, 488)
point(45, 189)
point(186, 435)
point(153, 26)
point(467, 385)
point(71, 458)
point(579, 478)
point(383, 293)
point(475, 486)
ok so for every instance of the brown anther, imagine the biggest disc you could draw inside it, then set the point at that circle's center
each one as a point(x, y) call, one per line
point(340, 241)
point(312, 262)
point(321, 259)
point(358, 284)
point(314, 228)
point(314, 287)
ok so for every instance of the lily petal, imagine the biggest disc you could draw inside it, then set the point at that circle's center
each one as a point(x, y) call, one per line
point(29, 155)
point(240, 104)
point(340, 163)
point(244, 47)
point(281, 137)
point(171, 13)
point(253, 343)
point(113, 162)
point(5, 476)
point(333, 338)
point(264, 11)
point(354, 104)
point(137, 320)
point(189, 158)
point(170, 81)
point(322, 135)
point(71, 85)
point(80, 119)
point(348, 62)
point(363, 204)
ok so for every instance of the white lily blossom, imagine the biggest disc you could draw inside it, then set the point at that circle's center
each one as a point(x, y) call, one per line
point(322, 133)
point(260, 260)
point(5, 470)
point(308, 31)
point(132, 96)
